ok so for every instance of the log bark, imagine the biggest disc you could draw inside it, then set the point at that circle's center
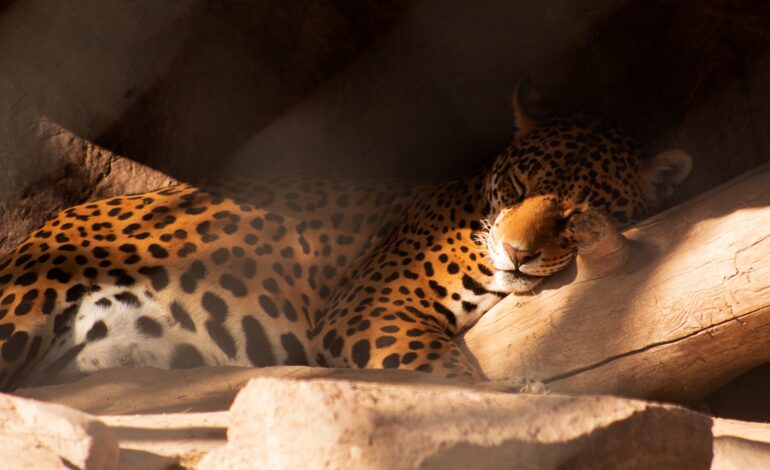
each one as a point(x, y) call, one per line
point(689, 311)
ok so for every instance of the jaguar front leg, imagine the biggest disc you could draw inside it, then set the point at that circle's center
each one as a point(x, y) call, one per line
point(407, 344)
point(399, 340)
point(602, 250)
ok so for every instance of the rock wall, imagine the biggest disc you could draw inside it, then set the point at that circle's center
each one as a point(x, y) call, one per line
point(300, 417)
point(102, 97)
point(434, 99)
point(416, 88)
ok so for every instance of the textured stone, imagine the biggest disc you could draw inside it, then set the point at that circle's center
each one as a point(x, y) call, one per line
point(285, 423)
point(160, 441)
point(106, 79)
point(68, 169)
point(42, 435)
point(405, 415)
point(67, 75)
point(689, 73)
point(202, 389)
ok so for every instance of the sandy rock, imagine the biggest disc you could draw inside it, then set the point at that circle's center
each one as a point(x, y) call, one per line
point(58, 95)
point(284, 423)
point(42, 435)
point(161, 441)
point(378, 417)
point(204, 389)
point(740, 444)
point(104, 79)
point(76, 170)
point(178, 416)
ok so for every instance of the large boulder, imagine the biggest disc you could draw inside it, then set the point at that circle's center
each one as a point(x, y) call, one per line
point(324, 424)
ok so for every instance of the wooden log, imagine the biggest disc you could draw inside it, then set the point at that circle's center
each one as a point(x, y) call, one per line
point(688, 312)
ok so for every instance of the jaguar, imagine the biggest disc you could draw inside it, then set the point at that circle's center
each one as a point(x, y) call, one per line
point(313, 271)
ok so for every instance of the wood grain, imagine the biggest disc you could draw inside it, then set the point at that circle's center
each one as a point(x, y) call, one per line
point(690, 310)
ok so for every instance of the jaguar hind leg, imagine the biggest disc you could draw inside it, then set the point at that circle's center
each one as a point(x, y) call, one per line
point(29, 317)
point(117, 327)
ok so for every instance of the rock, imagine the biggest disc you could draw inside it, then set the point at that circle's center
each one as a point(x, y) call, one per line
point(164, 441)
point(75, 170)
point(178, 416)
point(170, 418)
point(127, 83)
point(54, 106)
point(42, 435)
point(285, 423)
point(152, 391)
point(740, 444)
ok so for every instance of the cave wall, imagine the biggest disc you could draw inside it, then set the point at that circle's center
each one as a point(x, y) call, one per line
point(434, 99)
point(102, 97)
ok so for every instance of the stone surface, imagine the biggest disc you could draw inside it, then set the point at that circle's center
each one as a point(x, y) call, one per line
point(285, 423)
point(129, 77)
point(75, 170)
point(159, 441)
point(68, 74)
point(162, 417)
point(176, 86)
point(740, 444)
point(158, 419)
point(434, 99)
point(43, 435)
point(152, 391)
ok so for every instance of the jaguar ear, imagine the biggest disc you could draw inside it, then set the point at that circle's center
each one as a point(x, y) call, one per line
point(664, 171)
point(530, 107)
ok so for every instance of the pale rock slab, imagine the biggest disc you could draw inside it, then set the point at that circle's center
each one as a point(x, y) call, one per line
point(166, 418)
point(324, 424)
point(124, 391)
point(165, 441)
point(48, 436)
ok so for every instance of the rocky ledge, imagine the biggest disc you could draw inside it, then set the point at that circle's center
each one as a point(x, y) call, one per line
point(298, 417)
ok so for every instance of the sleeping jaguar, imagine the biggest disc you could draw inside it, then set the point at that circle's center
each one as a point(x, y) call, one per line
point(304, 270)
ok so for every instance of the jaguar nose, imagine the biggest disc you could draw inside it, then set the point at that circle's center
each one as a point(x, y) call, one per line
point(519, 257)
